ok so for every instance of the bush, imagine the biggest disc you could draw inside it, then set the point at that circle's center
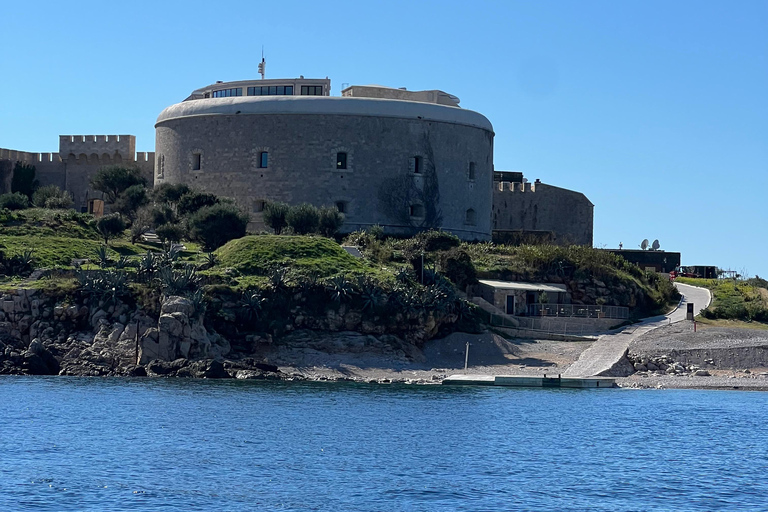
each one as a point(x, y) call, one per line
point(457, 266)
point(331, 220)
point(15, 201)
point(54, 194)
point(275, 216)
point(216, 225)
point(170, 232)
point(438, 240)
point(110, 226)
point(192, 201)
point(304, 219)
point(115, 180)
point(130, 200)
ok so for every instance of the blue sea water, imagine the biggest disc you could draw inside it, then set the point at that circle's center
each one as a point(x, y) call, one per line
point(77, 444)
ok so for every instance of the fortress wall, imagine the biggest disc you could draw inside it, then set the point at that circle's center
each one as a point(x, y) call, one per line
point(123, 145)
point(539, 207)
point(377, 187)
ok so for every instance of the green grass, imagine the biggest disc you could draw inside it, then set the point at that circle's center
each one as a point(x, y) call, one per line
point(43, 222)
point(259, 254)
point(50, 251)
point(733, 299)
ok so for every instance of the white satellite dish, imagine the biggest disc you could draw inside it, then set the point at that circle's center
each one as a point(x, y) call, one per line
point(656, 245)
point(644, 245)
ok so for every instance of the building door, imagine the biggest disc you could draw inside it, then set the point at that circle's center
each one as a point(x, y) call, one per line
point(510, 304)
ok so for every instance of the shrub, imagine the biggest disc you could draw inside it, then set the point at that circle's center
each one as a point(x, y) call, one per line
point(216, 225)
point(275, 216)
point(376, 232)
point(170, 232)
point(59, 203)
point(130, 200)
point(457, 266)
point(116, 179)
point(43, 194)
point(14, 201)
point(438, 240)
point(110, 226)
point(331, 220)
point(192, 201)
point(304, 218)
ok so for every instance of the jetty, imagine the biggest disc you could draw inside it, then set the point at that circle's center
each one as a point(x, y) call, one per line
point(530, 381)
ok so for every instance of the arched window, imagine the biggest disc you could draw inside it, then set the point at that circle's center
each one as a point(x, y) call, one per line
point(470, 218)
point(341, 206)
point(341, 160)
point(263, 160)
point(471, 173)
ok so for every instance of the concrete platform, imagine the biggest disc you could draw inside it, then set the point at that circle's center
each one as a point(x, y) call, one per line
point(528, 381)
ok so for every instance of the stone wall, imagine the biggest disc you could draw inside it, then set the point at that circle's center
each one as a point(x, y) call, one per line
point(76, 163)
point(378, 186)
point(538, 208)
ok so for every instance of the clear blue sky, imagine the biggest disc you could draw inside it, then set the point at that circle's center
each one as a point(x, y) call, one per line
point(656, 110)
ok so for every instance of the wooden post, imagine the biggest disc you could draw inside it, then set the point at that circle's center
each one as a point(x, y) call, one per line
point(466, 357)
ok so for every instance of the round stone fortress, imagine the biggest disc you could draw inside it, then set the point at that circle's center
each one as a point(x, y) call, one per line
point(401, 159)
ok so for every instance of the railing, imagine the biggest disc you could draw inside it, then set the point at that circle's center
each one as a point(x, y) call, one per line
point(578, 311)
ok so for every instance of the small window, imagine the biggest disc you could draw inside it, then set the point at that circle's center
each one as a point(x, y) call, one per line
point(311, 90)
point(263, 160)
point(341, 206)
point(258, 206)
point(471, 170)
point(417, 210)
point(341, 160)
point(471, 217)
point(415, 164)
point(197, 161)
point(289, 90)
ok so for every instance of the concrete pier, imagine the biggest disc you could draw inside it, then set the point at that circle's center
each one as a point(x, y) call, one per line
point(528, 381)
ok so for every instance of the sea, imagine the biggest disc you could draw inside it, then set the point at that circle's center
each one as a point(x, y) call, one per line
point(108, 444)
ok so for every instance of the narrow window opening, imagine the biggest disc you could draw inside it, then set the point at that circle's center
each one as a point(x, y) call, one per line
point(471, 217)
point(258, 206)
point(417, 210)
point(341, 206)
point(263, 159)
point(341, 160)
point(471, 170)
point(415, 164)
point(197, 161)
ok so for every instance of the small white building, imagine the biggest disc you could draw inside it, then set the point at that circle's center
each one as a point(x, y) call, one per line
point(514, 297)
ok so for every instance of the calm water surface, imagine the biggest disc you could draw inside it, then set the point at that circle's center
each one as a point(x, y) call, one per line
point(109, 444)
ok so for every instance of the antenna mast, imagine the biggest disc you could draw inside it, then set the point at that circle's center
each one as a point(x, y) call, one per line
point(262, 64)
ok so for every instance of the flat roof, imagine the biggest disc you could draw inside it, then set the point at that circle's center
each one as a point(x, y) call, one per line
point(531, 287)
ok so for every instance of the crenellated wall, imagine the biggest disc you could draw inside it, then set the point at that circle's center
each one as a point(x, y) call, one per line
point(566, 216)
point(76, 163)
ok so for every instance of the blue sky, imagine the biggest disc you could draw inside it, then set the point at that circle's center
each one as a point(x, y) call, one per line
point(657, 111)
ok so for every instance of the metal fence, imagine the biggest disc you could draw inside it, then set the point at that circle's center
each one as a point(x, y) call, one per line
point(578, 311)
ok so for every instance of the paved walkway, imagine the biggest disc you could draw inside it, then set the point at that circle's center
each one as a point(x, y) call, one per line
point(608, 350)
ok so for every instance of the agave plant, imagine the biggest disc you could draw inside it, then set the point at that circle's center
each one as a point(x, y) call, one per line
point(102, 255)
point(199, 303)
point(148, 265)
point(278, 280)
point(251, 304)
point(339, 288)
point(122, 263)
point(371, 294)
point(210, 260)
point(170, 256)
point(174, 283)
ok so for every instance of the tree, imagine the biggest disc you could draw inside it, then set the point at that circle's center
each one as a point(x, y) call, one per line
point(170, 232)
point(170, 192)
point(110, 226)
point(192, 201)
point(114, 180)
point(216, 225)
point(130, 200)
point(331, 220)
point(23, 180)
point(51, 196)
point(304, 218)
point(275, 216)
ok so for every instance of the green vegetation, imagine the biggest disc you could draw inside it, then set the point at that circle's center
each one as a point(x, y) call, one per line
point(116, 179)
point(740, 300)
point(51, 197)
point(260, 254)
point(14, 201)
point(23, 180)
point(216, 225)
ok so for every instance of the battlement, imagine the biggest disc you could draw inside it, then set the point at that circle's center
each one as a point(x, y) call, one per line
point(507, 186)
point(28, 158)
point(123, 146)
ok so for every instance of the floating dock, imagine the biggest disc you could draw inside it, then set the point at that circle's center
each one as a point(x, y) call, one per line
point(528, 381)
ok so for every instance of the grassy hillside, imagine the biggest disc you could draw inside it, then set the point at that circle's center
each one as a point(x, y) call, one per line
point(745, 301)
point(262, 253)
